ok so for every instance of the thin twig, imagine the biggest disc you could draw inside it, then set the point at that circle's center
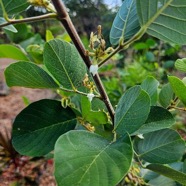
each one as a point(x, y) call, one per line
point(67, 23)
point(30, 19)
point(124, 45)
point(78, 92)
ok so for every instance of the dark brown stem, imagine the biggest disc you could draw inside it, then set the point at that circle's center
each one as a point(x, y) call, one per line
point(67, 23)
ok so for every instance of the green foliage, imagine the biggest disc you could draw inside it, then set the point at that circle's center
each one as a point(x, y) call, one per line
point(132, 110)
point(126, 23)
point(9, 27)
point(100, 149)
point(158, 119)
point(63, 63)
point(10, 51)
point(150, 85)
point(164, 146)
point(163, 19)
point(14, 7)
point(169, 172)
point(94, 117)
point(27, 74)
point(166, 95)
point(179, 88)
point(93, 159)
point(180, 64)
point(39, 125)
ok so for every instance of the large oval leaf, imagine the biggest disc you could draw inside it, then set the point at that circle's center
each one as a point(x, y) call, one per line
point(64, 63)
point(126, 22)
point(27, 74)
point(159, 118)
point(164, 19)
point(179, 88)
point(132, 110)
point(84, 158)
point(14, 6)
point(163, 146)
point(37, 127)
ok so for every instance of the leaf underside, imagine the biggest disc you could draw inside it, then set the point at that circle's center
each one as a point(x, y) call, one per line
point(126, 22)
point(164, 19)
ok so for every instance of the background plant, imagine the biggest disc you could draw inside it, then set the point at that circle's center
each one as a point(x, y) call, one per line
point(93, 143)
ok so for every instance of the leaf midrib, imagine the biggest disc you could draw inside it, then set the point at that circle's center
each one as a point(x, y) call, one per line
point(152, 19)
point(93, 162)
point(72, 85)
point(160, 146)
point(47, 127)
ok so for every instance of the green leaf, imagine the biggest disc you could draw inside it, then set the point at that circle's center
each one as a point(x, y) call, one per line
point(163, 146)
point(94, 117)
point(38, 126)
point(159, 118)
point(150, 85)
point(132, 110)
point(27, 74)
point(166, 95)
point(163, 19)
point(14, 6)
point(84, 158)
point(9, 27)
point(49, 36)
point(126, 22)
point(36, 53)
point(162, 181)
point(168, 172)
point(10, 51)
point(180, 64)
point(64, 63)
point(179, 88)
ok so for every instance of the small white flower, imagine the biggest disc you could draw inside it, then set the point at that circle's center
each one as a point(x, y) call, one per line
point(140, 136)
point(90, 96)
point(93, 69)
